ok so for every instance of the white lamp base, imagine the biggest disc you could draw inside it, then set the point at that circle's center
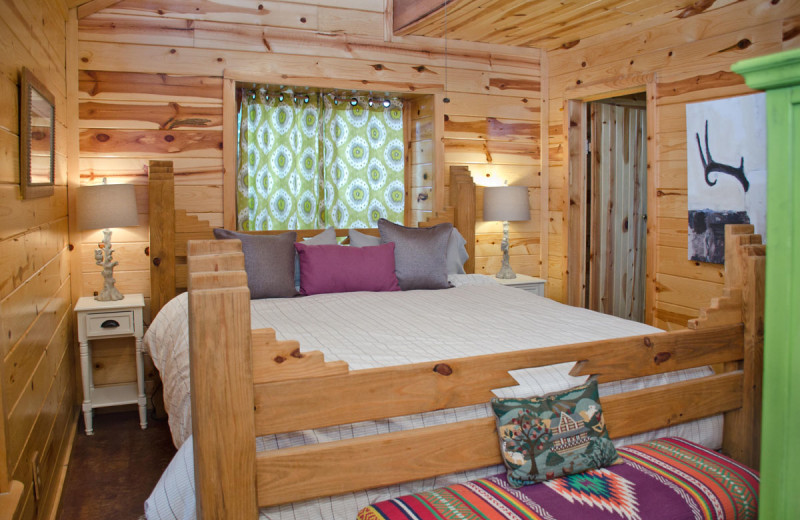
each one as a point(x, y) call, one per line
point(505, 272)
point(104, 257)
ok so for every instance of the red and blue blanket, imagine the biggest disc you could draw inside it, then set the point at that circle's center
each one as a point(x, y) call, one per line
point(669, 479)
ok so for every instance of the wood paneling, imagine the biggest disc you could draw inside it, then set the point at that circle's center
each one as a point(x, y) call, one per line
point(38, 372)
point(689, 60)
point(151, 87)
point(546, 24)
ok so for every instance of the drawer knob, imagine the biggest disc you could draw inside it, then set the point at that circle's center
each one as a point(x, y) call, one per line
point(109, 324)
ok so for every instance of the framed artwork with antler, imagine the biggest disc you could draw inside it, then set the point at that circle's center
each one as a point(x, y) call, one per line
point(726, 162)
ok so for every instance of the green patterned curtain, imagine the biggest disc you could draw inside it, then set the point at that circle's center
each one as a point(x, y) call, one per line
point(281, 183)
point(363, 162)
point(278, 181)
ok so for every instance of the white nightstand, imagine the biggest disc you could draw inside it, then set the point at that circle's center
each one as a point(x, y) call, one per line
point(117, 319)
point(528, 283)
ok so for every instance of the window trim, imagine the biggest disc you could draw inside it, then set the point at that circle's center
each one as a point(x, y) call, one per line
point(230, 85)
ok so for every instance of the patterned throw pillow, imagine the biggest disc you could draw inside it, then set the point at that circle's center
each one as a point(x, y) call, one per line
point(558, 434)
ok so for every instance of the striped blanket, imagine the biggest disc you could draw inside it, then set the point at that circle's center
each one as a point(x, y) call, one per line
point(669, 479)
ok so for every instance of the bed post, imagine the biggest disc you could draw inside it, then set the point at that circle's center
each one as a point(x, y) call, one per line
point(462, 198)
point(221, 381)
point(161, 191)
point(459, 211)
point(742, 301)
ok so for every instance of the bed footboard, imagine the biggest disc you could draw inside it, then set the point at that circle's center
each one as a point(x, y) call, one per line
point(245, 385)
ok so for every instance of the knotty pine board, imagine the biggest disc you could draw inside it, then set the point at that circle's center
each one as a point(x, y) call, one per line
point(21, 361)
point(496, 89)
point(691, 59)
point(191, 171)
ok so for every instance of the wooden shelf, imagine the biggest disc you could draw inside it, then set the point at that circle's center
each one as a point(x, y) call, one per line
point(114, 395)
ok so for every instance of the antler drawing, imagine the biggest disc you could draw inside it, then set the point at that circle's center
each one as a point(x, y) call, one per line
point(713, 166)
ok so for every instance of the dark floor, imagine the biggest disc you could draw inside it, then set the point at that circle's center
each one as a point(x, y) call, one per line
point(111, 473)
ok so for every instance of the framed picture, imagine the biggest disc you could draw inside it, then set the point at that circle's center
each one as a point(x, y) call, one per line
point(37, 118)
point(726, 162)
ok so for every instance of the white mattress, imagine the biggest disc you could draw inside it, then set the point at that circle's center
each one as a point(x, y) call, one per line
point(371, 330)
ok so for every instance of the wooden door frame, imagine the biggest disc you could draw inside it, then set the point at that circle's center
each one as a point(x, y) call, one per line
point(575, 122)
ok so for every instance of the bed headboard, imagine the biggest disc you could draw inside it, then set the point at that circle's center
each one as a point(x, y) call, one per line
point(171, 229)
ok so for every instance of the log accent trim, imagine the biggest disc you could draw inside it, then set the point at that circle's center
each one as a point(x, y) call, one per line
point(419, 388)
point(219, 318)
point(283, 475)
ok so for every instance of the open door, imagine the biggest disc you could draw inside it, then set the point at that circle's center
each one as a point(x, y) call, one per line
point(616, 199)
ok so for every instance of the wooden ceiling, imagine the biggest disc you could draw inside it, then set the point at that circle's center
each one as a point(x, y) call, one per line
point(546, 24)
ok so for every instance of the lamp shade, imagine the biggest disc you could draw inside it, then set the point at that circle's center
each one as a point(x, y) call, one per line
point(506, 203)
point(107, 206)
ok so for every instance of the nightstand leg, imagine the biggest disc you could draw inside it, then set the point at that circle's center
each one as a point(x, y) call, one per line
point(87, 387)
point(140, 381)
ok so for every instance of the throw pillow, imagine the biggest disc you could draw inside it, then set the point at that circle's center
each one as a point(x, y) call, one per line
point(359, 239)
point(558, 434)
point(456, 253)
point(327, 237)
point(329, 269)
point(268, 261)
point(456, 250)
point(420, 254)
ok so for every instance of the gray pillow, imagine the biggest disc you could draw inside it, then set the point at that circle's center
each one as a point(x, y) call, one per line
point(456, 250)
point(268, 261)
point(359, 239)
point(326, 238)
point(420, 254)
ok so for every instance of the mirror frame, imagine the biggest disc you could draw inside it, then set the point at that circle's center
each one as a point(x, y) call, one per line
point(27, 85)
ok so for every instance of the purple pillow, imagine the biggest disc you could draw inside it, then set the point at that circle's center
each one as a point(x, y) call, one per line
point(330, 269)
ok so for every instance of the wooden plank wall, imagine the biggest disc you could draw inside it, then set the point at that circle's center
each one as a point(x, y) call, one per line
point(690, 57)
point(38, 372)
point(151, 88)
point(420, 159)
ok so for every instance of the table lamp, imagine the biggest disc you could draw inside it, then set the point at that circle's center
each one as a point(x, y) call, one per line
point(105, 206)
point(504, 203)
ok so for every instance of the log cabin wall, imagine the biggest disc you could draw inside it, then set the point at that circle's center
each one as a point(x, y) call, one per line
point(686, 56)
point(38, 369)
point(152, 76)
point(420, 159)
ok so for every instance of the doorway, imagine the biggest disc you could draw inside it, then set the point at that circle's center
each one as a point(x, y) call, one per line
point(616, 206)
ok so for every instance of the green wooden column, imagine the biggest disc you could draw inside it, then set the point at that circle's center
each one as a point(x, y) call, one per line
point(779, 75)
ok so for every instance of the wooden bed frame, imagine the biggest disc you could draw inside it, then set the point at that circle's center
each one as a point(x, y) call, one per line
point(171, 229)
point(245, 383)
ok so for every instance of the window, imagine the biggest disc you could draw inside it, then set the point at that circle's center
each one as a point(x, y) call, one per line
point(315, 159)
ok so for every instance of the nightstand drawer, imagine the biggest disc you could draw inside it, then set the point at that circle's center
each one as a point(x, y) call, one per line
point(527, 283)
point(535, 288)
point(109, 324)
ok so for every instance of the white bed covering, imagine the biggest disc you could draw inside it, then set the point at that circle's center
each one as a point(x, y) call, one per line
point(371, 330)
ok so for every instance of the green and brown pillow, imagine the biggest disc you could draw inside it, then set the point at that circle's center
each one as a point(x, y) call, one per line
point(558, 434)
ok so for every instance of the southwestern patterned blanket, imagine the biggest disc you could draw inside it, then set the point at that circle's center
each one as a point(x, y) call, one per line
point(665, 479)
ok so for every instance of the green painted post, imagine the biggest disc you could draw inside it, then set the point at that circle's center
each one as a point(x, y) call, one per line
point(779, 75)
